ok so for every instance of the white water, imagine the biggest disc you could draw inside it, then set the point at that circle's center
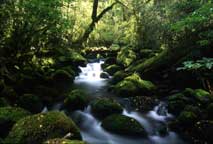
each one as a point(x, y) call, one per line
point(91, 129)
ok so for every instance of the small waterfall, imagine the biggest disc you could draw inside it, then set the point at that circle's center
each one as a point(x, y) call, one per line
point(92, 132)
point(90, 73)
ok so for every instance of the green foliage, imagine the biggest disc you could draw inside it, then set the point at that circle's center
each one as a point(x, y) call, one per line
point(197, 65)
point(41, 127)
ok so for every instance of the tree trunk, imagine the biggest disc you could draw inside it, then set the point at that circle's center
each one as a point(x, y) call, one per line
point(95, 19)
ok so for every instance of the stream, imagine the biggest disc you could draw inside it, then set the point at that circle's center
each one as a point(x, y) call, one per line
point(89, 80)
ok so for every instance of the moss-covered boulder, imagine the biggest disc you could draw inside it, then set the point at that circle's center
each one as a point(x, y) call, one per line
point(123, 125)
point(105, 107)
point(8, 117)
point(61, 75)
point(142, 103)
point(77, 99)
point(134, 85)
point(177, 102)
point(187, 118)
point(63, 141)
point(201, 96)
point(112, 69)
point(104, 75)
point(118, 76)
point(31, 102)
point(126, 56)
point(42, 127)
point(71, 57)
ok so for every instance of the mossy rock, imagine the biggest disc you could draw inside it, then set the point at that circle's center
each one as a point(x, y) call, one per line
point(63, 141)
point(187, 118)
point(8, 117)
point(142, 103)
point(200, 95)
point(126, 56)
point(42, 127)
point(118, 76)
point(31, 102)
point(203, 96)
point(177, 102)
point(123, 125)
point(105, 107)
point(195, 109)
point(104, 75)
point(77, 99)
point(112, 69)
point(134, 85)
point(72, 57)
point(61, 75)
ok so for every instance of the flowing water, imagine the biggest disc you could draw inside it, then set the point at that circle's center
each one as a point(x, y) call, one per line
point(91, 130)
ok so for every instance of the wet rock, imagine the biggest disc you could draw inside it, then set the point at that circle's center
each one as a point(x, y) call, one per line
point(8, 117)
point(104, 75)
point(105, 107)
point(112, 69)
point(63, 141)
point(42, 127)
point(118, 76)
point(123, 125)
point(142, 103)
point(31, 102)
point(134, 85)
point(187, 118)
point(77, 99)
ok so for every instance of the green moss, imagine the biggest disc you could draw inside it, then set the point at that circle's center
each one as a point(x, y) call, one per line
point(41, 127)
point(121, 124)
point(105, 107)
point(63, 141)
point(77, 99)
point(104, 75)
point(118, 76)
point(31, 102)
point(187, 118)
point(126, 56)
point(9, 116)
point(112, 69)
point(132, 85)
point(202, 95)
